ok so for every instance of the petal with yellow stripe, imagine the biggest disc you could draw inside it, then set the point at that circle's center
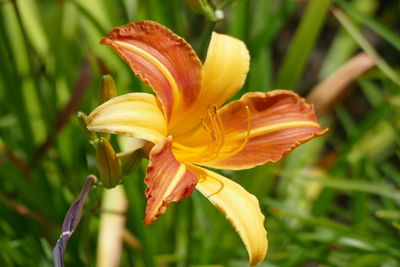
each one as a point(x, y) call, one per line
point(224, 73)
point(136, 114)
point(240, 208)
point(261, 128)
point(162, 60)
point(167, 180)
point(224, 70)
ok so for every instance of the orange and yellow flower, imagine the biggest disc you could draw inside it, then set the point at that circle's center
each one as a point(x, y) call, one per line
point(190, 126)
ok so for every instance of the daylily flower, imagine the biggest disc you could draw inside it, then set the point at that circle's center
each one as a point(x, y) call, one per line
point(189, 126)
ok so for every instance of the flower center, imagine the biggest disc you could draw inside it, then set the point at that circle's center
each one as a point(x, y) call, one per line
point(213, 125)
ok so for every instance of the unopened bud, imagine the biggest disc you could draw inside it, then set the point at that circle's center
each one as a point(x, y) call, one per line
point(82, 118)
point(107, 164)
point(130, 161)
point(107, 89)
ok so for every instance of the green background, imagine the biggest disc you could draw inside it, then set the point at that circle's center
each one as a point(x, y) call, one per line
point(332, 202)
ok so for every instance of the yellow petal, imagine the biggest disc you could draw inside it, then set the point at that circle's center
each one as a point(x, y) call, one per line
point(224, 73)
point(225, 69)
point(239, 207)
point(135, 114)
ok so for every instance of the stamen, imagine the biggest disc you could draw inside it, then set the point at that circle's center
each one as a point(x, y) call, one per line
point(214, 127)
point(246, 139)
point(208, 149)
point(208, 130)
point(219, 128)
point(211, 116)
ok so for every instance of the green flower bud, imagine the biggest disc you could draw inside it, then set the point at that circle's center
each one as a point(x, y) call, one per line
point(107, 89)
point(107, 163)
point(82, 118)
point(130, 161)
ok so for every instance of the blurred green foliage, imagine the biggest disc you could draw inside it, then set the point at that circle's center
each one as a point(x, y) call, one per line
point(332, 202)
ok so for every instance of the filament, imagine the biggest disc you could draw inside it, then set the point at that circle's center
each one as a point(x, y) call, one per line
point(246, 139)
point(219, 131)
point(213, 125)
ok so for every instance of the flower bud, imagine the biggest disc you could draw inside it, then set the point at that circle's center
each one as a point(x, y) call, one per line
point(130, 161)
point(107, 163)
point(107, 89)
point(82, 118)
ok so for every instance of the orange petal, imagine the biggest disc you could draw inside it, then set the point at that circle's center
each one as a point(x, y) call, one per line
point(167, 180)
point(162, 60)
point(263, 127)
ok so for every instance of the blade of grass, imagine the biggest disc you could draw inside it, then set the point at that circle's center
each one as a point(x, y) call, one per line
point(18, 162)
point(239, 25)
point(267, 22)
point(302, 44)
point(281, 209)
point(346, 121)
point(343, 46)
point(369, 123)
point(25, 211)
point(268, 29)
point(365, 45)
point(346, 185)
point(372, 23)
point(90, 16)
point(81, 86)
point(32, 23)
point(15, 65)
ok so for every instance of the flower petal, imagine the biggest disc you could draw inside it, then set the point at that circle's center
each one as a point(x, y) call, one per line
point(162, 60)
point(239, 207)
point(279, 122)
point(224, 73)
point(135, 114)
point(167, 180)
point(258, 128)
point(224, 70)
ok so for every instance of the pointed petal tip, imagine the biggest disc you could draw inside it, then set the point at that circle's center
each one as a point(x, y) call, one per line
point(225, 69)
point(241, 209)
point(300, 142)
point(275, 122)
point(105, 41)
point(149, 220)
point(161, 59)
point(167, 180)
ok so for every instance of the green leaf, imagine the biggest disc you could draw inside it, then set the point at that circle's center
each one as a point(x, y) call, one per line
point(304, 40)
point(365, 45)
point(372, 23)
